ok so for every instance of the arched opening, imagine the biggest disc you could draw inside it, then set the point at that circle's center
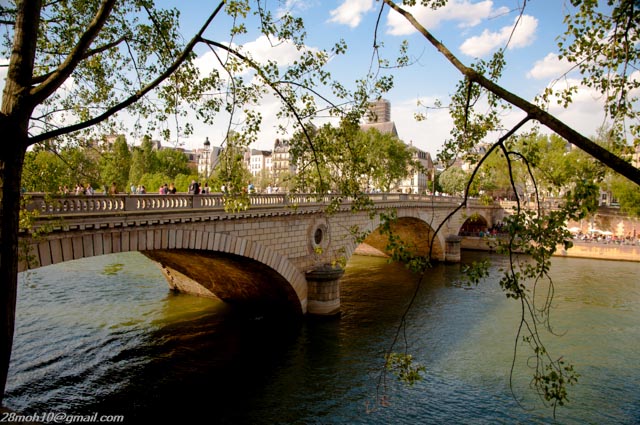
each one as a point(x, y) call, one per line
point(413, 232)
point(476, 225)
point(237, 280)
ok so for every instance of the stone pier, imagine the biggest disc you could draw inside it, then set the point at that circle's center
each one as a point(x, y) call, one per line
point(452, 249)
point(323, 283)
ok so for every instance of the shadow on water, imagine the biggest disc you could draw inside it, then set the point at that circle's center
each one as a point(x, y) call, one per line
point(207, 364)
point(107, 336)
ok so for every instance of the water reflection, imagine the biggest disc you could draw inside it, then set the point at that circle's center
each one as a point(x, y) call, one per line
point(105, 335)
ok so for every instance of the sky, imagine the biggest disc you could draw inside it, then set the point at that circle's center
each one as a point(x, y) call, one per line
point(471, 29)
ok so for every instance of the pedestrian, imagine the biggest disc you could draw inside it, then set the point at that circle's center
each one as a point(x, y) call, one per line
point(194, 188)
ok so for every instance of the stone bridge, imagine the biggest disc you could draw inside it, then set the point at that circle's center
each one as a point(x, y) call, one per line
point(280, 253)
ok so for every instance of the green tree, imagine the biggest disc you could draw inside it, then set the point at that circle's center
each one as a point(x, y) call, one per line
point(172, 162)
point(627, 194)
point(117, 53)
point(349, 160)
point(47, 170)
point(546, 164)
point(143, 160)
point(389, 158)
point(153, 181)
point(182, 181)
point(115, 163)
point(231, 170)
point(453, 181)
point(42, 172)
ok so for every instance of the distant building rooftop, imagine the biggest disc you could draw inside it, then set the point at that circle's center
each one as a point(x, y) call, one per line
point(388, 127)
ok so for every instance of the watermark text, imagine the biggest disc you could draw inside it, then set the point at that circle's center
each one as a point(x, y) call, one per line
point(59, 418)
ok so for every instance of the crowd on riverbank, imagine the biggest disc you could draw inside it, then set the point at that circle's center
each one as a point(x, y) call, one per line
point(600, 237)
point(601, 248)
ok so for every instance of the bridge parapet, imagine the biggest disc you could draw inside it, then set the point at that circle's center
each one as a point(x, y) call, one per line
point(81, 204)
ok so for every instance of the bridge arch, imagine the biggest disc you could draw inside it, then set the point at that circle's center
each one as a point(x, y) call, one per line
point(414, 228)
point(474, 225)
point(175, 249)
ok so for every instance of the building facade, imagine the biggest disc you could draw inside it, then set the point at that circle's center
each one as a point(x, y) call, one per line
point(419, 181)
point(207, 159)
point(282, 164)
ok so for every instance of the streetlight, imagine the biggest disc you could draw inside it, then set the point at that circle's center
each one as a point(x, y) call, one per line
point(207, 147)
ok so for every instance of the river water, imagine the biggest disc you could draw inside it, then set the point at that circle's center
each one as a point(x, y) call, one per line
point(105, 335)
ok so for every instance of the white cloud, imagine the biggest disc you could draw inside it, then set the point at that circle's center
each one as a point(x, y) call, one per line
point(522, 36)
point(428, 135)
point(260, 50)
point(297, 5)
point(217, 131)
point(586, 112)
point(584, 115)
point(465, 13)
point(350, 12)
point(550, 66)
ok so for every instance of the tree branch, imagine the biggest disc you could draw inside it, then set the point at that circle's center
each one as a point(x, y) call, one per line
point(607, 158)
point(41, 78)
point(278, 93)
point(136, 96)
point(66, 68)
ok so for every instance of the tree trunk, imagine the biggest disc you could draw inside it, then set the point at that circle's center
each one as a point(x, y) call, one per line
point(17, 106)
point(11, 161)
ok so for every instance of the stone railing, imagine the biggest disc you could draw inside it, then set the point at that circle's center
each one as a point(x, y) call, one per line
point(57, 205)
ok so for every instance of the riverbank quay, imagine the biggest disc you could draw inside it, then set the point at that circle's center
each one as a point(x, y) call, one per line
point(590, 250)
point(580, 249)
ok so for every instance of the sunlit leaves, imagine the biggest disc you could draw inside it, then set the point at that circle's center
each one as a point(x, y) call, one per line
point(475, 272)
point(475, 111)
point(602, 41)
point(404, 367)
point(350, 161)
point(627, 194)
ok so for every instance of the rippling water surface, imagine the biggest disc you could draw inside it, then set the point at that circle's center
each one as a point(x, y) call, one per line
point(105, 335)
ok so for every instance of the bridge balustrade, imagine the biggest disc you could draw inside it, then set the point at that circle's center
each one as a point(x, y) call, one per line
point(66, 205)
point(74, 204)
point(268, 199)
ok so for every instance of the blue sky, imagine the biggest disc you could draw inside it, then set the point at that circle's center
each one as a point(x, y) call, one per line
point(470, 28)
